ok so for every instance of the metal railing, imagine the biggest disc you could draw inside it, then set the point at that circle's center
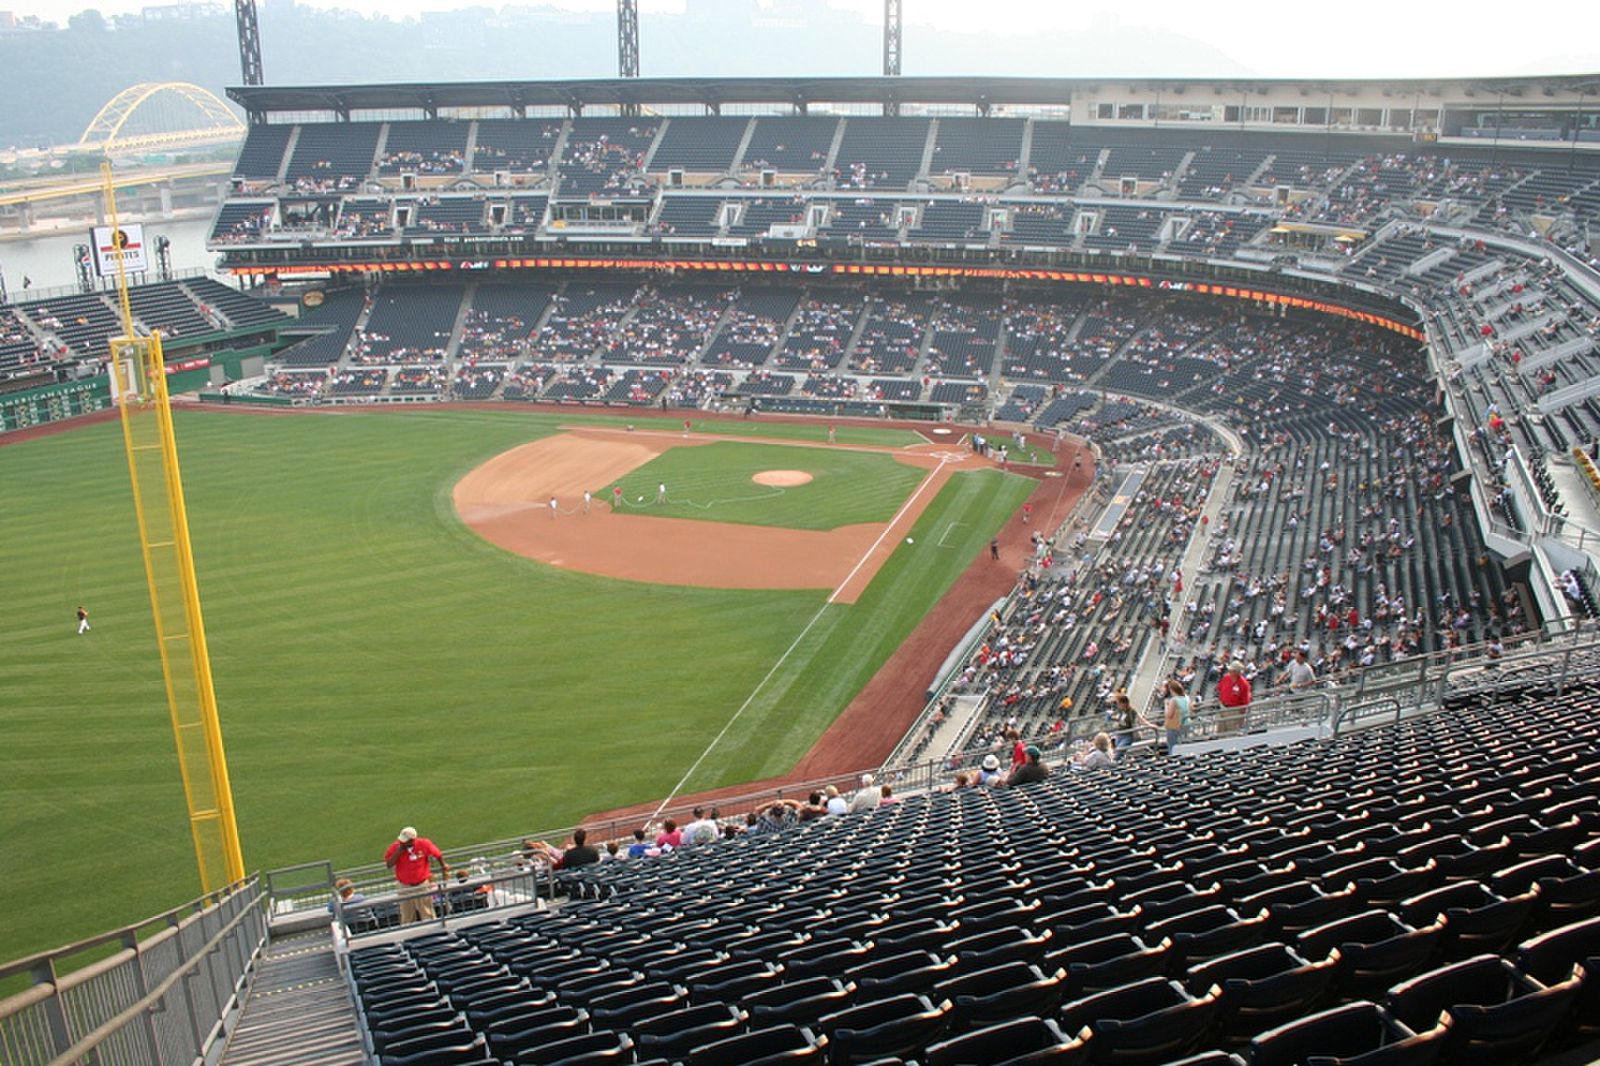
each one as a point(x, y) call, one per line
point(105, 286)
point(159, 1000)
point(487, 887)
point(1387, 692)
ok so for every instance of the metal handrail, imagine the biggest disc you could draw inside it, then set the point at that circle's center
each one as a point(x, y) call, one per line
point(111, 1026)
point(127, 935)
point(88, 1012)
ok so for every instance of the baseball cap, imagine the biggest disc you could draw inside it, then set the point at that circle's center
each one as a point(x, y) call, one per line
point(991, 763)
point(408, 834)
point(1031, 751)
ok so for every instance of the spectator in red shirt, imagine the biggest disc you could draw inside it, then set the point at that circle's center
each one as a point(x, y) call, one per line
point(409, 857)
point(1233, 692)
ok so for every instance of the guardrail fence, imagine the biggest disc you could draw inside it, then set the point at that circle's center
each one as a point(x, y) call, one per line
point(155, 1000)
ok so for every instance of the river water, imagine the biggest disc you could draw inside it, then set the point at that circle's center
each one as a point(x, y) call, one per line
point(48, 261)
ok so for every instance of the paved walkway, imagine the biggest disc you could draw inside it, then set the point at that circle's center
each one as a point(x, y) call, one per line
point(1152, 668)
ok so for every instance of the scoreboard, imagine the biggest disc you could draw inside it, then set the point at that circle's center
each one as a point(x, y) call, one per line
point(35, 407)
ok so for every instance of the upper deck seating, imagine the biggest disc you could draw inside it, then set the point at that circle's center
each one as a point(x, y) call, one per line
point(881, 153)
point(425, 148)
point(332, 156)
point(517, 146)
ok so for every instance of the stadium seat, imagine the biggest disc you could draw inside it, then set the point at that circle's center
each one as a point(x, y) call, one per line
point(468, 1053)
point(1567, 891)
point(1006, 943)
point(527, 1017)
point(830, 956)
point(622, 1008)
point(424, 1037)
point(1356, 1034)
point(588, 1049)
point(1496, 1013)
point(732, 981)
point(1010, 1043)
point(1108, 962)
point(1478, 920)
point(1261, 987)
point(510, 1042)
point(777, 1043)
point(1012, 989)
point(1296, 906)
point(1147, 1021)
point(1208, 932)
point(920, 934)
point(1091, 921)
point(897, 1025)
point(798, 1000)
point(1556, 957)
point(674, 1033)
point(1375, 950)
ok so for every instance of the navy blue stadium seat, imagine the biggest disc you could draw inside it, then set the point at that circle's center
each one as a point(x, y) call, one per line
point(1009, 1043)
point(1375, 948)
point(1011, 989)
point(897, 1025)
point(1262, 987)
point(1356, 1034)
point(1148, 1021)
point(1478, 920)
point(777, 1043)
point(1496, 1013)
point(674, 1033)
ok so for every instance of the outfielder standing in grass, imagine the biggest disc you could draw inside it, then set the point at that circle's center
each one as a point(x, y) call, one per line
point(83, 621)
point(616, 497)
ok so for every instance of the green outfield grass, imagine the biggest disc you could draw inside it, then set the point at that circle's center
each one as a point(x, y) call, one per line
point(378, 664)
point(713, 482)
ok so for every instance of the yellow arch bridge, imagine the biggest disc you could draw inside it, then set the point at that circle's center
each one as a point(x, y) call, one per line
point(157, 116)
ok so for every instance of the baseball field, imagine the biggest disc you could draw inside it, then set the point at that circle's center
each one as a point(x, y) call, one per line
point(404, 630)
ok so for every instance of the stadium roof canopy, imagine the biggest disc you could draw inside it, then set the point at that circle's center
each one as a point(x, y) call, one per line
point(713, 93)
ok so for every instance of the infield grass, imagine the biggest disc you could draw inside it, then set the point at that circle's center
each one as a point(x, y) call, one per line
point(713, 482)
point(377, 664)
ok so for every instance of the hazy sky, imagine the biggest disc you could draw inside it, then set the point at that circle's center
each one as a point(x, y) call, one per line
point(1288, 40)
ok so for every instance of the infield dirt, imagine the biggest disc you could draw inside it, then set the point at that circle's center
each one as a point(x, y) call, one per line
point(507, 502)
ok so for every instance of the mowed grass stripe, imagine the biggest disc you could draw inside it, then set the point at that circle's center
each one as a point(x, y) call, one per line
point(712, 482)
point(377, 663)
point(842, 652)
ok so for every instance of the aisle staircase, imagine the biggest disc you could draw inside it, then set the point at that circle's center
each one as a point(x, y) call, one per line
point(299, 1009)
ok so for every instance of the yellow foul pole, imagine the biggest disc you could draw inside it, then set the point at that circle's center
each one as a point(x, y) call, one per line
point(139, 389)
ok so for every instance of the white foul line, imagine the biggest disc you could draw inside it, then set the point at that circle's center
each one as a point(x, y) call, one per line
point(943, 459)
point(790, 650)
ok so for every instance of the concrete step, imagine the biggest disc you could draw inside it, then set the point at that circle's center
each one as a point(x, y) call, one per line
point(299, 1010)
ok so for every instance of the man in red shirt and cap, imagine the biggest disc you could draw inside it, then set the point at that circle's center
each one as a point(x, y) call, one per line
point(409, 857)
point(1233, 692)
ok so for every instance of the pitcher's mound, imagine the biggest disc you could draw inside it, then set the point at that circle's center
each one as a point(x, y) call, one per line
point(781, 478)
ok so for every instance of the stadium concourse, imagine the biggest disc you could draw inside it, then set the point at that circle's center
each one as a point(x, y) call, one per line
point(1338, 378)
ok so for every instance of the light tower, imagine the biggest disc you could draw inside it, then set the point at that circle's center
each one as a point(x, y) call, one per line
point(244, 13)
point(891, 53)
point(628, 45)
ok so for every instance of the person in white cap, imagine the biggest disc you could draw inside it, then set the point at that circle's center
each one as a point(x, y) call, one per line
point(991, 770)
point(866, 797)
point(409, 857)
